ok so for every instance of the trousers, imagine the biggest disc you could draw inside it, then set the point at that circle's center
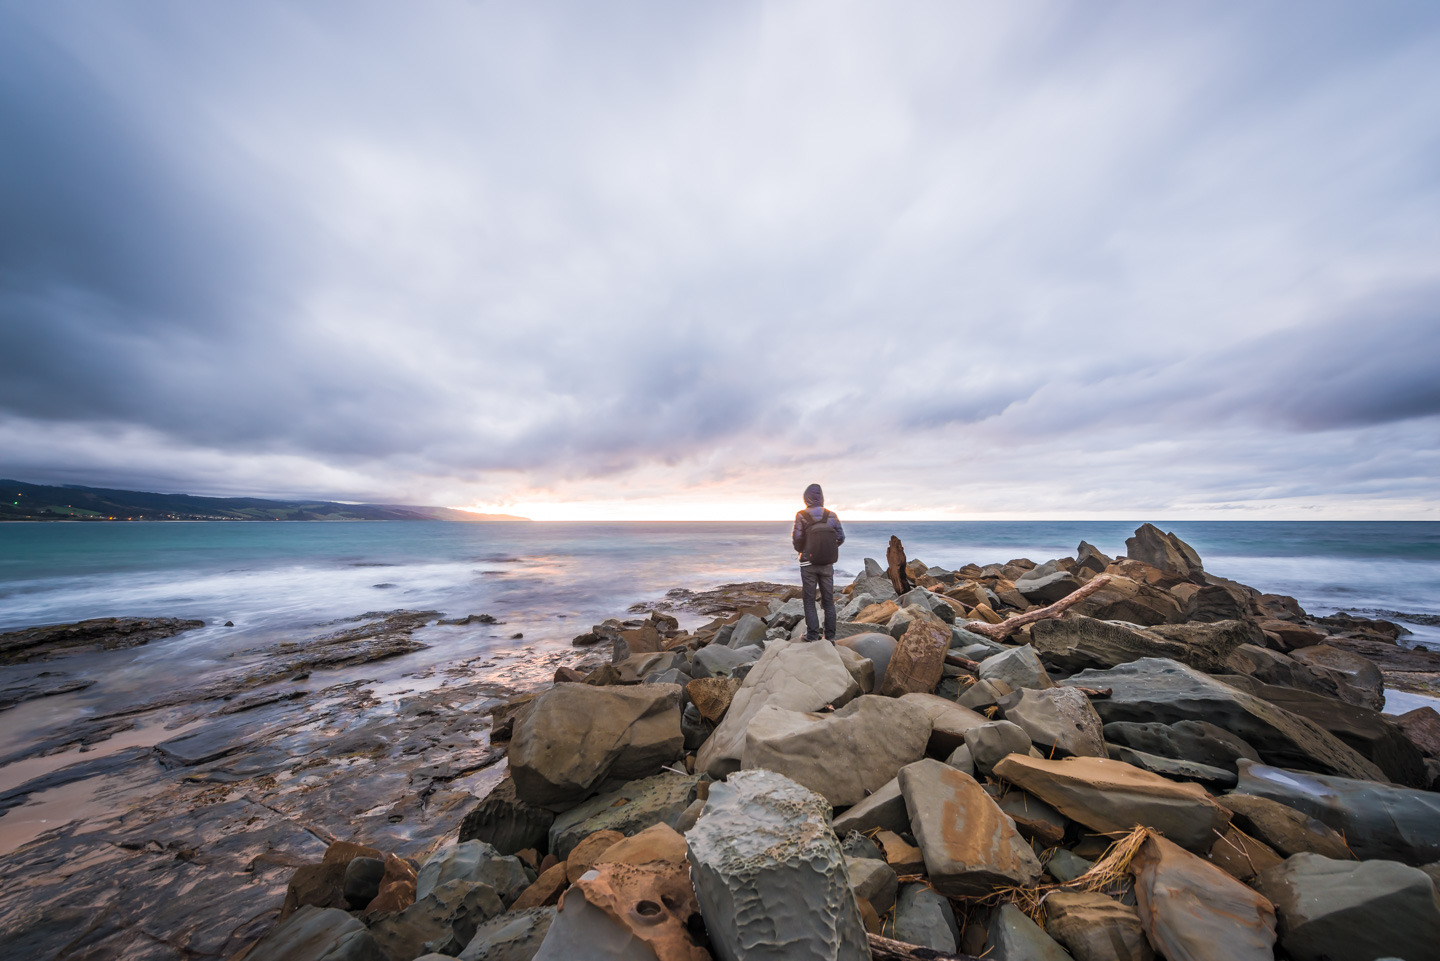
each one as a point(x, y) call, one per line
point(823, 577)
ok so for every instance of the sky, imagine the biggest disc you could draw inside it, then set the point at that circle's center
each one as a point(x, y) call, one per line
point(671, 260)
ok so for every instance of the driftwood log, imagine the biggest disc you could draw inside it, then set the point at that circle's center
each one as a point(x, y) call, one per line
point(998, 632)
point(884, 949)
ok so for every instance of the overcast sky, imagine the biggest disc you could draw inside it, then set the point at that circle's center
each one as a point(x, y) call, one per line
point(1022, 259)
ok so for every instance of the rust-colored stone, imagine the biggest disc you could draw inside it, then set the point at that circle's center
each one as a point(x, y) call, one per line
point(546, 889)
point(655, 902)
point(1241, 856)
point(903, 857)
point(658, 842)
point(899, 576)
point(322, 885)
point(712, 696)
point(584, 854)
point(877, 613)
point(397, 887)
point(919, 658)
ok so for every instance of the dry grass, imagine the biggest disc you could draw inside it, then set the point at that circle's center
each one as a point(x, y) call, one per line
point(1112, 869)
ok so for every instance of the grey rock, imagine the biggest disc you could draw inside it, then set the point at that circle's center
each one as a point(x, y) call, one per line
point(1378, 821)
point(857, 603)
point(473, 861)
point(1356, 679)
point(1158, 689)
point(885, 809)
point(769, 874)
point(748, 630)
point(1283, 828)
point(1272, 667)
point(582, 930)
point(793, 676)
point(660, 799)
point(963, 640)
point(962, 760)
point(318, 934)
point(1197, 741)
point(505, 822)
point(672, 676)
point(1076, 642)
point(875, 646)
point(991, 742)
point(786, 615)
point(1047, 588)
point(926, 600)
point(875, 582)
point(1059, 720)
point(717, 660)
point(1014, 937)
point(857, 845)
point(513, 936)
point(861, 668)
point(1165, 551)
point(842, 756)
point(1018, 667)
point(924, 917)
point(444, 920)
point(873, 880)
point(1331, 909)
point(1066, 865)
point(983, 694)
point(1173, 767)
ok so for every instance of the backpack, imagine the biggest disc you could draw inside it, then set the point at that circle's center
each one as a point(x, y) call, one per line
point(820, 545)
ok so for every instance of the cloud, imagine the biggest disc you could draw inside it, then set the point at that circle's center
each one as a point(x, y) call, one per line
point(956, 258)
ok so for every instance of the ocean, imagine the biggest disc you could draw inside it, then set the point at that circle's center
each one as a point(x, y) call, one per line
point(551, 581)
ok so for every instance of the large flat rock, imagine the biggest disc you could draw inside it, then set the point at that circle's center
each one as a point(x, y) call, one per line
point(1193, 911)
point(1159, 689)
point(1111, 796)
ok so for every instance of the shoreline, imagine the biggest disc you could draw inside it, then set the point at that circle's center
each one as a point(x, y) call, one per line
point(410, 756)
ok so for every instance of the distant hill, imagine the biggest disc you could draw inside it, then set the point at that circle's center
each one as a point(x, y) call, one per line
point(38, 502)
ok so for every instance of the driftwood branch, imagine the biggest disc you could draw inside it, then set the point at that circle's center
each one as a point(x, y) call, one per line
point(884, 949)
point(998, 632)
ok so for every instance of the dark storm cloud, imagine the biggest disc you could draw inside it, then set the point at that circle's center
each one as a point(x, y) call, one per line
point(465, 251)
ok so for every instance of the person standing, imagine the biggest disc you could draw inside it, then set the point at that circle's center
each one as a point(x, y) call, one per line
point(817, 536)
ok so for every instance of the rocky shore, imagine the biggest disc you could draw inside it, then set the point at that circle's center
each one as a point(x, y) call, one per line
point(1087, 758)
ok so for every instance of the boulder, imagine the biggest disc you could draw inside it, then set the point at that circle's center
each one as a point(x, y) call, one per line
point(769, 873)
point(884, 810)
point(505, 822)
point(1422, 727)
point(317, 934)
point(717, 660)
point(747, 631)
point(584, 855)
point(1331, 909)
point(1046, 588)
point(660, 799)
point(1198, 742)
point(1357, 680)
point(1159, 689)
point(1172, 767)
point(1089, 558)
point(1213, 603)
point(948, 722)
point(1165, 551)
point(861, 668)
point(983, 694)
point(1058, 720)
point(545, 889)
point(1369, 733)
point(1093, 927)
point(1111, 796)
point(323, 885)
point(873, 880)
point(1066, 866)
point(1273, 667)
point(1076, 642)
point(879, 648)
point(1034, 819)
point(795, 676)
point(843, 756)
point(397, 887)
point(712, 696)
point(1019, 667)
point(659, 842)
point(624, 912)
point(970, 846)
point(1134, 602)
point(361, 882)
point(873, 581)
point(919, 658)
point(924, 917)
point(1241, 856)
point(443, 919)
point(1283, 828)
point(513, 936)
point(1378, 821)
point(578, 739)
point(474, 862)
point(1014, 937)
point(1193, 911)
point(991, 742)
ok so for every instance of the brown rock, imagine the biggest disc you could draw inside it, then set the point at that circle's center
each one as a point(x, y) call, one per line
point(568, 675)
point(1193, 911)
point(1134, 601)
point(948, 722)
point(1241, 856)
point(1422, 727)
point(546, 890)
point(1356, 680)
point(867, 914)
point(1283, 828)
point(899, 576)
point(1093, 927)
point(587, 852)
point(903, 857)
point(877, 613)
point(659, 842)
point(1293, 636)
point(712, 696)
point(982, 612)
point(654, 902)
point(1112, 796)
point(1164, 551)
point(919, 659)
point(322, 885)
point(644, 640)
point(397, 887)
point(968, 593)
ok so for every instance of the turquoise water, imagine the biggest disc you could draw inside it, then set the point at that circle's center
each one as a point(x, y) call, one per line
point(277, 576)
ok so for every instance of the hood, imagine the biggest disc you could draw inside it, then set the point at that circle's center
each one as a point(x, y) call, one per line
point(814, 497)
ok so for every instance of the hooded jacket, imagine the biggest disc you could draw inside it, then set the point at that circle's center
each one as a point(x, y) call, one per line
point(815, 507)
